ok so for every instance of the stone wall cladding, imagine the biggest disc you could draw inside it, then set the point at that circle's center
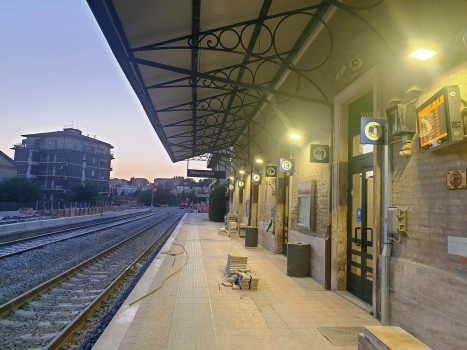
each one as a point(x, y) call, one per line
point(419, 183)
point(427, 291)
point(429, 303)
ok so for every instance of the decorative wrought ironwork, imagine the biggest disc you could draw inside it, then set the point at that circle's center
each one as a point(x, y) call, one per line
point(219, 121)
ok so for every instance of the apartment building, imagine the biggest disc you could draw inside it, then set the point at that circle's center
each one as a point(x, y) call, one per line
point(60, 160)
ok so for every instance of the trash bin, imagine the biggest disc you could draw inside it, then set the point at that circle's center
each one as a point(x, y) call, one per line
point(251, 236)
point(298, 259)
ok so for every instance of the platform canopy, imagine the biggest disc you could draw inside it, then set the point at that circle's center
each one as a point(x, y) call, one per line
point(205, 71)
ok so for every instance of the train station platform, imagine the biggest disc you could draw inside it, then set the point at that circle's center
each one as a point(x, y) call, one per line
point(193, 310)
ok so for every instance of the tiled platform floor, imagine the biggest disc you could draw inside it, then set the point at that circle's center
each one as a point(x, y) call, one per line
point(194, 311)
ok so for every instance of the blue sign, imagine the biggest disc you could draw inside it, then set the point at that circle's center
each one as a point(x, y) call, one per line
point(372, 131)
point(241, 184)
point(359, 215)
point(286, 165)
point(256, 178)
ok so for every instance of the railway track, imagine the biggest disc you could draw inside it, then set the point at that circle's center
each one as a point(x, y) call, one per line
point(23, 245)
point(47, 316)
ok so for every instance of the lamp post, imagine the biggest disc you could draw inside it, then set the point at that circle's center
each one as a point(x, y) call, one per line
point(152, 197)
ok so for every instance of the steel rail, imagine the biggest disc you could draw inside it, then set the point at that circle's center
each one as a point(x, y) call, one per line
point(17, 302)
point(69, 331)
point(25, 239)
point(76, 236)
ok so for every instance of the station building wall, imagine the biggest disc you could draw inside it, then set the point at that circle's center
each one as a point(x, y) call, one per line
point(427, 285)
point(427, 290)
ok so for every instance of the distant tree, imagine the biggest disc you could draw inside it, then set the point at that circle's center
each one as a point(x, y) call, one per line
point(163, 196)
point(137, 194)
point(169, 184)
point(20, 190)
point(146, 197)
point(87, 193)
point(204, 182)
point(217, 203)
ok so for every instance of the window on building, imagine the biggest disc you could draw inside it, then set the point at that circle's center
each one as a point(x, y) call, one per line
point(93, 160)
point(51, 143)
point(92, 172)
point(306, 204)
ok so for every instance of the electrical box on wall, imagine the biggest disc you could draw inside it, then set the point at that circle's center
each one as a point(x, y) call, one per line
point(456, 180)
point(397, 220)
point(402, 119)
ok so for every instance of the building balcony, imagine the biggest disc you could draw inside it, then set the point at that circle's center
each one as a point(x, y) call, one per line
point(87, 150)
point(54, 189)
point(45, 162)
point(47, 174)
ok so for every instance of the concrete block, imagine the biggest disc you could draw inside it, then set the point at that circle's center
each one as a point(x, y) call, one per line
point(47, 223)
point(33, 225)
point(13, 227)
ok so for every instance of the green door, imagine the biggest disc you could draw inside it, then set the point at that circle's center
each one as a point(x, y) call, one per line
point(360, 232)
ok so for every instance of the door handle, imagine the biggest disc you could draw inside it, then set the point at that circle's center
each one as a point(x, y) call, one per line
point(365, 241)
point(355, 238)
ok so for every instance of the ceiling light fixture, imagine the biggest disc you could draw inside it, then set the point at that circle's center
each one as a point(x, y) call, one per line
point(423, 54)
point(295, 136)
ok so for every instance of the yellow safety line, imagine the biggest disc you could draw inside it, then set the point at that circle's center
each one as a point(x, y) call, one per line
point(163, 282)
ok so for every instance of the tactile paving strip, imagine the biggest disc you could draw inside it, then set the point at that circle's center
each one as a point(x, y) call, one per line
point(154, 332)
point(192, 326)
point(341, 336)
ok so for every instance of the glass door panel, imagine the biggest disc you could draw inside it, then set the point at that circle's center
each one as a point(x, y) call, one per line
point(368, 239)
point(360, 234)
point(354, 252)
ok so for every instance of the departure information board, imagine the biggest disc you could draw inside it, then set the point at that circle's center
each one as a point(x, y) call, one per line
point(432, 123)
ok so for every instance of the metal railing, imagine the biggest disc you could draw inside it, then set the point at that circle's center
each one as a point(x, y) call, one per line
point(65, 148)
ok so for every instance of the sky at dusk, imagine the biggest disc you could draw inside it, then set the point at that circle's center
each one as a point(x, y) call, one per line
point(56, 67)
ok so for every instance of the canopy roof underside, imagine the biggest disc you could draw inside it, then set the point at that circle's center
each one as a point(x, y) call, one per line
point(206, 70)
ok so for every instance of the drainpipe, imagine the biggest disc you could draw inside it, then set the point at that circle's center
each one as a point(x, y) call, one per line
point(387, 248)
point(251, 174)
point(328, 241)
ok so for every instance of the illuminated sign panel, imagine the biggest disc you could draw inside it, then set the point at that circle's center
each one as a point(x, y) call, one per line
point(206, 173)
point(438, 120)
point(432, 121)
